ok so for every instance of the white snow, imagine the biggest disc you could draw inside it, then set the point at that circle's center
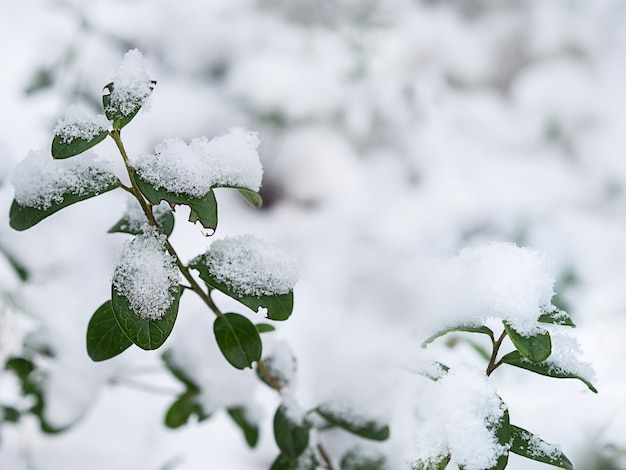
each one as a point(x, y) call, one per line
point(146, 274)
point(567, 356)
point(78, 124)
point(251, 266)
point(461, 408)
point(135, 217)
point(131, 84)
point(195, 168)
point(40, 181)
point(499, 280)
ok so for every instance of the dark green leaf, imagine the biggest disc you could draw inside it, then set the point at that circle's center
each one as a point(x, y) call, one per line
point(291, 437)
point(514, 358)
point(463, 328)
point(279, 307)
point(118, 119)
point(528, 445)
point(264, 327)
point(238, 339)
point(536, 348)
point(24, 217)
point(145, 333)
point(557, 317)
point(357, 458)
point(179, 372)
point(502, 430)
point(182, 409)
point(105, 338)
point(8, 414)
point(250, 429)
point(65, 149)
point(165, 220)
point(352, 422)
point(203, 209)
point(252, 197)
point(306, 461)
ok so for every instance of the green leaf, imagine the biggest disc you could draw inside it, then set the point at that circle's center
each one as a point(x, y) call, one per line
point(557, 317)
point(145, 333)
point(164, 219)
point(8, 414)
point(502, 431)
point(250, 429)
point(238, 339)
point(203, 209)
point(514, 358)
point(291, 437)
point(462, 328)
point(252, 197)
point(528, 445)
point(441, 465)
point(65, 149)
point(24, 217)
point(105, 338)
point(357, 458)
point(182, 409)
point(279, 307)
point(118, 119)
point(536, 348)
point(264, 327)
point(352, 422)
point(179, 372)
point(306, 461)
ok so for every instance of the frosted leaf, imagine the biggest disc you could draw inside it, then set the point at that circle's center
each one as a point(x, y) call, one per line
point(194, 168)
point(282, 362)
point(461, 409)
point(146, 275)
point(292, 410)
point(537, 447)
point(77, 124)
point(39, 180)
point(250, 266)
point(136, 220)
point(567, 356)
point(131, 85)
point(501, 281)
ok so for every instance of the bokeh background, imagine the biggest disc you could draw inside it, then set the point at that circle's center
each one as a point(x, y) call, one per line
point(394, 133)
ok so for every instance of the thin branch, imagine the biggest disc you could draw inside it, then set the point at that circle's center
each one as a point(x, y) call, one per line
point(493, 365)
point(325, 457)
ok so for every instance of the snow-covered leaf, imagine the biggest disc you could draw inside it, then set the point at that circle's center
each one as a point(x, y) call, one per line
point(557, 317)
point(528, 445)
point(105, 338)
point(536, 347)
point(238, 339)
point(360, 458)
point(62, 149)
point(126, 224)
point(347, 419)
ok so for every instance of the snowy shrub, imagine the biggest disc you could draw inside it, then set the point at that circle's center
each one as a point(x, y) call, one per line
point(150, 278)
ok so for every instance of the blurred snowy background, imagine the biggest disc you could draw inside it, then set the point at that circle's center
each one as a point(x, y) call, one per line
point(394, 133)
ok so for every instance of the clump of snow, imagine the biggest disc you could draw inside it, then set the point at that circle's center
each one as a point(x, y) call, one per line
point(194, 168)
point(567, 356)
point(292, 409)
point(131, 85)
point(499, 280)
point(146, 275)
point(77, 124)
point(461, 413)
point(250, 266)
point(40, 181)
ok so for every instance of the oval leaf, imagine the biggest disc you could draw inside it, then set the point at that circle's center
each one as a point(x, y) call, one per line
point(352, 422)
point(514, 358)
point(65, 149)
point(24, 217)
point(528, 445)
point(105, 338)
point(461, 328)
point(250, 429)
point(253, 198)
point(182, 409)
point(279, 307)
point(238, 339)
point(203, 209)
point(118, 119)
point(292, 438)
point(145, 333)
point(536, 348)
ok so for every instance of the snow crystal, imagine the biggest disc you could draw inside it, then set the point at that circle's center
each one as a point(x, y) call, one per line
point(41, 181)
point(460, 411)
point(146, 275)
point(250, 266)
point(132, 85)
point(77, 124)
point(194, 168)
point(500, 280)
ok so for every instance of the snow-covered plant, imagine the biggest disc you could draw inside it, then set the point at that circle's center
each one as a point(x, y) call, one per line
point(150, 277)
point(510, 288)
